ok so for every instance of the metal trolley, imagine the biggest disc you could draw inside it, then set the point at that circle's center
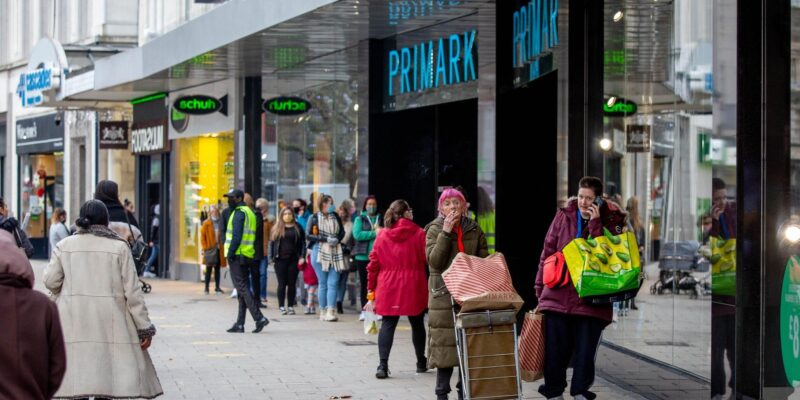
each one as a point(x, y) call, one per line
point(488, 354)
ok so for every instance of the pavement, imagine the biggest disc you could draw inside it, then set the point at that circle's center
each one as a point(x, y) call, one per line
point(295, 357)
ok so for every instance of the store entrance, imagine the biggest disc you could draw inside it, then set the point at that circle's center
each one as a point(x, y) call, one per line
point(414, 154)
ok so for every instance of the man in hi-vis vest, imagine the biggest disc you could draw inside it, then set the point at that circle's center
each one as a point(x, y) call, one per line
point(240, 236)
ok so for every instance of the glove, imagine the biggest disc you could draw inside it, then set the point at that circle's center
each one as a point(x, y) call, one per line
point(333, 241)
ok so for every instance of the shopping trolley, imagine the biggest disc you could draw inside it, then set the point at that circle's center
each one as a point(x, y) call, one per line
point(488, 354)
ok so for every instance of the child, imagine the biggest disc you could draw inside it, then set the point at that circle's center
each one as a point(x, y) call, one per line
point(311, 285)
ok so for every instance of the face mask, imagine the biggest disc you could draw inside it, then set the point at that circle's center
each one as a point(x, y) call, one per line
point(232, 202)
point(215, 219)
point(331, 209)
point(371, 210)
point(288, 219)
point(296, 210)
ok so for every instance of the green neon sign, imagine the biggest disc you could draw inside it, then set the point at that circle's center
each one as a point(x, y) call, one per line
point(200, 105)
point(148, 98)
point(620, 108)
point(287, 106)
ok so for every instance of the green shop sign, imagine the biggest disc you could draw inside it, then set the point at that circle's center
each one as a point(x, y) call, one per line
point(620, 108)
point(790, 321)
point(287, 106)
point(201, 105)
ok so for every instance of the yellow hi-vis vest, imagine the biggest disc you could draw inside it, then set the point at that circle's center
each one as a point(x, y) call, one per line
point(247, 246)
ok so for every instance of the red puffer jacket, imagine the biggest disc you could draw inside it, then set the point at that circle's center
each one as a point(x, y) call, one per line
point(563, 230)
point(396, 270)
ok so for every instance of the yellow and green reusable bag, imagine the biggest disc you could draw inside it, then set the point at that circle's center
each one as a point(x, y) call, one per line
point(604, 265)
point(723, 266)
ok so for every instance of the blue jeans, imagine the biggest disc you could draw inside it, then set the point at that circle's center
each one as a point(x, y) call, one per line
point(328, 282)
point(152, 258)
point(262, 268)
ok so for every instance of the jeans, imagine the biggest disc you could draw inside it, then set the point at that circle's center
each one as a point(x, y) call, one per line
point(567, 336)
point(386, 337)
point(240, 270)
point(286, 270)
point(153, 257)
point(262, 270)
point(328, 282)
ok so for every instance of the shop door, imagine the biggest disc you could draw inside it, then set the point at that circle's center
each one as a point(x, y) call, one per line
point(416, 153)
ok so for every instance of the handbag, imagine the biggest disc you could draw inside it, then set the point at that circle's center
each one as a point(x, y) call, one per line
point(555, 273)
point(211, 256)
point(531, 346)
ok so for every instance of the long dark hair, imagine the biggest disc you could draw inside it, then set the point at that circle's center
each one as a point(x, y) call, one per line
point(93, 212)
point(107, 191)
point(366, 199)
point(396, 211)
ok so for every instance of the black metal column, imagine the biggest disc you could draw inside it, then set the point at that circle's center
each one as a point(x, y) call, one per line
point(252, 136)
point(763, 193)
point(585, 98)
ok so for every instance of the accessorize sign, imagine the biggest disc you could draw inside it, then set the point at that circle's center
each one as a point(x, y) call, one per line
point(113, 134)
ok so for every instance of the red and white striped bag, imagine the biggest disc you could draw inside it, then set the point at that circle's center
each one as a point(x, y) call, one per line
point(531, 347)
point(479, 284)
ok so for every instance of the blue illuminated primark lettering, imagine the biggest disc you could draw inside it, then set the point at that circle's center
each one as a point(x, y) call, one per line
point(535, 30)
point(453, 56)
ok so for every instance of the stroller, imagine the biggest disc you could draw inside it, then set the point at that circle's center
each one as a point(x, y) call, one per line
point(677, 262)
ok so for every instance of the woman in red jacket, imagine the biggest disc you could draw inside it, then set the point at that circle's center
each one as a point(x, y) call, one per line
point(397, 282)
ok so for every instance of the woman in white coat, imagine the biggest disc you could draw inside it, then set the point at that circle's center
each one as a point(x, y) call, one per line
point(106, 326)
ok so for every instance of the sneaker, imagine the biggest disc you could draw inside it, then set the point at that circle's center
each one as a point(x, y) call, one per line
point(362, 316)
point(218, 291)
point(262, 305)
point(330, 316)
point(322, 314)
point(382, 372)
point(283, 310)
point(234, 294)
point(291, 311)
point(307, 310)
point(261, 324)
point(148, 274)
point(236, 329)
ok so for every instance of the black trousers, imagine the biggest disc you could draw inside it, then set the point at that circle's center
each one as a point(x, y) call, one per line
point(286, 270)
point(443, 376)
point(255, 280)
point(240, 270)
point(216, 275)
point(362, 278)
point(567, 336)
point(386, 336)
point(723, 330)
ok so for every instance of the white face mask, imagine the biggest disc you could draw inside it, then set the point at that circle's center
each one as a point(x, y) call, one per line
point(215, 219)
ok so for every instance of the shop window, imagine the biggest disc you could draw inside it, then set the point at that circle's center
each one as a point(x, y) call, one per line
point(41, 191)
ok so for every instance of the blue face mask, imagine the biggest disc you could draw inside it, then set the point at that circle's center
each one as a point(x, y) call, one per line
point(331, 209)
point(371, 210)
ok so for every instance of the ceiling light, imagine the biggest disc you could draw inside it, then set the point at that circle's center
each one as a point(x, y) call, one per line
point(792, 233)
point(618, 16)
point(605, 144)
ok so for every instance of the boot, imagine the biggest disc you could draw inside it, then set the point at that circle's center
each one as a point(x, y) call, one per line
point(422, 365)
point(260, 325)
point(236, 329)
point(339, 307)
point(382, 372)
point(330, 316)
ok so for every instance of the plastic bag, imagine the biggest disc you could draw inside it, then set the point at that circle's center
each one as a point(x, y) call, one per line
point(370, 319)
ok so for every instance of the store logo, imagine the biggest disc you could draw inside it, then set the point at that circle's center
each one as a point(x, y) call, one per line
point(447, 61)
point(405, 10)
point(113, 135)
point(201, 105)
point(27, 132)
point(179, 120)
point(287, 106)
point(535, 33)
point(148, 139)
point(619, 108)
point(32, 84)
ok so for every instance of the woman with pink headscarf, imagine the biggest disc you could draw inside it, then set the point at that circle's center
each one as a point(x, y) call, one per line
point(452, 232)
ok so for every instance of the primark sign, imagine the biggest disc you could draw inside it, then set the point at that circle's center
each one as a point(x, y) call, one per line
point(535, 35)
point(431, 64)
point(149, 137)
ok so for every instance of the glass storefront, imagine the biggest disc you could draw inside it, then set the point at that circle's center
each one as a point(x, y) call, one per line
point(119, 166)
point(41, 192)
point(204, 172)
point(670, 118)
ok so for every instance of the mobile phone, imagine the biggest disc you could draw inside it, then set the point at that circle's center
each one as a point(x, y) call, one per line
point(598, 201)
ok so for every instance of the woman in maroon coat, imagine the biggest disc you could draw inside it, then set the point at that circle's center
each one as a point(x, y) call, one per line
point(397, 282)
point(32, 352)
point(573, 326)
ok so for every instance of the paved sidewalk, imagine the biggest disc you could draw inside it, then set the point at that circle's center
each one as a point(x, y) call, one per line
point(295, 357)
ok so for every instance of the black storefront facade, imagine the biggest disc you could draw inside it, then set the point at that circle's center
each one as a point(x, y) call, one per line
point(151, 146)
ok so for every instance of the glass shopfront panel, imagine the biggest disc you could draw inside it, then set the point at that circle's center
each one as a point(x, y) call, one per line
point(41, 192)
point(204, 172)
point(670, 118)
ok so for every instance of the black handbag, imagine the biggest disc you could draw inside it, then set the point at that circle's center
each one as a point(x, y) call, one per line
point(211, 256)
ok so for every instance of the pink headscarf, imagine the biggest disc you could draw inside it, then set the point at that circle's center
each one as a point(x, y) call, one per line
point(450, 193)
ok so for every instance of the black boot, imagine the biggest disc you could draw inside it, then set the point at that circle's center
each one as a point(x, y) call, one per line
point(339, 308)
point(382, 372)
point(422, 365)
point(236, 329)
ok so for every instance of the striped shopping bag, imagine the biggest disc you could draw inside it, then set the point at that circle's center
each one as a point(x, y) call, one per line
point(531, 346)
point(479, 284)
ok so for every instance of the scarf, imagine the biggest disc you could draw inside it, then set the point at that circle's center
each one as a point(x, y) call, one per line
point(102, 231)
point(330, 254)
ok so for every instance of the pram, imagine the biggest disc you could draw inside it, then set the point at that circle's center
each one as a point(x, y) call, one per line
point(488, 354)
point(677, 262)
